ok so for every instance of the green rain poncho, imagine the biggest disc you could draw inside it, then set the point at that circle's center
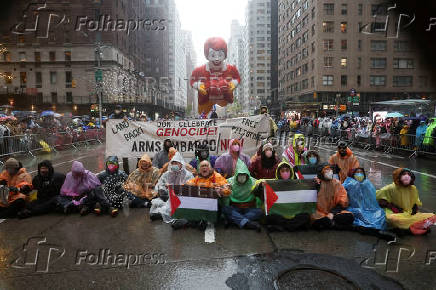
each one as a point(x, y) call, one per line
point(428, 140)
point(241, 192)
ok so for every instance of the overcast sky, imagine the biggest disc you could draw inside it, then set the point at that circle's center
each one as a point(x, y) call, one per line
point(208, 18)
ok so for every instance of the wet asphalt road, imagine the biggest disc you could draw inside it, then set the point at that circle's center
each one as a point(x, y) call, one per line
point(131, 252)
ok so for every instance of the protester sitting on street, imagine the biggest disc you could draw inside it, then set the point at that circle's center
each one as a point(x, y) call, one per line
point(141, 183)
point(369, 218)
point(176, 175)
point(265, 165)
point(202, 153)
point(16, 184)
point(78, 186)
point(207, 177)
point(161, 157)
point(171, 154)
point(47, 184)
point(112, 180)
point(226, 163)
point(331, 203)
point(345, 160)
point(401, 203)
point(242, 208)
point(294, 153)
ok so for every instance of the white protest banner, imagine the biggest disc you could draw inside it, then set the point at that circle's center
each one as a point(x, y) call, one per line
point(133, 139)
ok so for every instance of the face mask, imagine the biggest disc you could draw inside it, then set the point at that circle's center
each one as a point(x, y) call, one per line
point(343, 153)
point(268, 153)
point(328, 175)
point(313, 160)
point(242, 178)
point(359, 177)
point(406, 179)
point(285, 175)
point(235, 148)
point(112, 167)
point(175, 168)
point(204, 154)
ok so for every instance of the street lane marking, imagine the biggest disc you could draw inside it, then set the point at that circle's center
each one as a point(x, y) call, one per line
point(209, 234)
point(385, 164)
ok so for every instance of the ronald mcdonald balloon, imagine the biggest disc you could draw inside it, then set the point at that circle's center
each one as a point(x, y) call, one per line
point(215, 81)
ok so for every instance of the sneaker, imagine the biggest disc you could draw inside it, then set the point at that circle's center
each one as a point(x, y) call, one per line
point(202, 225)
point(84, 211)
point(97, 209)
point(68, 208)
point(387, 236)
point(113, 211)
point(179, 224)
point(252, 226)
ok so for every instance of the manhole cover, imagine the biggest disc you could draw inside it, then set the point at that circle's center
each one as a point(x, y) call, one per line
point(313, 279)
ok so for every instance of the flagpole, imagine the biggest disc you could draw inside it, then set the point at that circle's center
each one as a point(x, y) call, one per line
point(265, 203)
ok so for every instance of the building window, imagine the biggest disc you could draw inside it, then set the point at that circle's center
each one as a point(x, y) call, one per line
point(312, 82)
point(53, 77)
point(329, 9)
point(37, 58)
point(54, 98)
point(69, 97)
point(377, 80)
point(7, 56)
point(52, 55)
point(23, 79)
point(379, 9)
point(313, 12)
point(313, 47)
point(328, 61)
point(359, 62)
point(359, 80)
point(22, 56)
point(68, 79)
point(360, 9)
point(343, 62)
point(378, 27)
point(344, 80)
point(327, 80)
point(403, 63)
point(68, 58)
point(344, 44)
point(378, 62)
point(344, 8)
point(328, 44)
point(38, 79)
point(344, 27)
point(378, 45)
point(328, 26)
point(401, 45)
point(359, 44)
point(313, 30)
point(403, 81)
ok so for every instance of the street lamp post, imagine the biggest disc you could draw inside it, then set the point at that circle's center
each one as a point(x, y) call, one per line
point(99, 85)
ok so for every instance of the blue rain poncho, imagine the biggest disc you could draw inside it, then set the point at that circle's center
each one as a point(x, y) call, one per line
point(363, 204)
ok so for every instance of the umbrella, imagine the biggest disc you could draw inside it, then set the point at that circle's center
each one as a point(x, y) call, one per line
point(47, 113)
point(57, 115)
point(394, 115)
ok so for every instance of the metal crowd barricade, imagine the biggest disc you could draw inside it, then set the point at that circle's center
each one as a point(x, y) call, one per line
point(46, 141)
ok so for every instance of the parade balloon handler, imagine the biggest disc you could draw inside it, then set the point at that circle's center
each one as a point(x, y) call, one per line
point(345, 160)
point(16, 183)
point(331, 203)
point(207, 177)
point(294, 153)
point(226, 163)
point(141, 182)
point(176, 175)
point(242, 207)
point(401, 203)
point(202, 152)
point(112, 180)
point(265, 165)
point(215, 81)
point(79, 184)
point(47, 184)
point(162, 156)
point(369, 217)
point(275, 222)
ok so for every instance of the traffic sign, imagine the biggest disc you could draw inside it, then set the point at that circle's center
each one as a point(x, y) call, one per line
point(98, 75)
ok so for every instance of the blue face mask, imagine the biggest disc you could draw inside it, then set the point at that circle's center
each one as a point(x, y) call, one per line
point(313, 160)
point(359, 177)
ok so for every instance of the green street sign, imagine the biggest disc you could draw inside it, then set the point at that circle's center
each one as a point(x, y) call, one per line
point(98, 75)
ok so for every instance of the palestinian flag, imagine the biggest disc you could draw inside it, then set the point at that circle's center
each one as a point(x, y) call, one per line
point(193, 203)
point(290, 197)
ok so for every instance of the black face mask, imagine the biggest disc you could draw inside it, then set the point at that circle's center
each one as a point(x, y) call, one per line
point(343, 153)
point(203, 155)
